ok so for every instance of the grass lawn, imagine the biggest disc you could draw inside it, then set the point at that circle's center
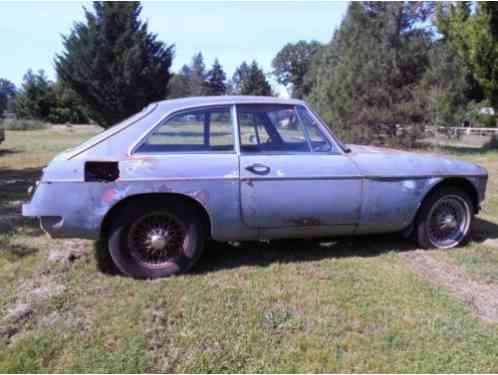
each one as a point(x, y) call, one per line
point(341, 306)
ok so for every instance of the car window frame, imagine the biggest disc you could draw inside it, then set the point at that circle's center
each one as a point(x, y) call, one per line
point(135, 150)
point(336, 142)
point(335, 149)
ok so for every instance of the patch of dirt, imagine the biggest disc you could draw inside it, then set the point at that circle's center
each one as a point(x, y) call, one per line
point(482, 298)
point(19, 312)
point(70, 251)
point(491, 242)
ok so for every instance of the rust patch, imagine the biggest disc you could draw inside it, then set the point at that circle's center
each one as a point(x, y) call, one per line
point(109, 195)
point(139, 157)
point(481, 298)
point(304, 221)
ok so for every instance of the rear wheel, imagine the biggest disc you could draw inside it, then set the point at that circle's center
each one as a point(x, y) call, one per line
point(445, 219)
point(156, 238)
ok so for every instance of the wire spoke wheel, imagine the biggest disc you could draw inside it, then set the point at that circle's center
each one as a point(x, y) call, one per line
point(156, 240)
point(448, 221)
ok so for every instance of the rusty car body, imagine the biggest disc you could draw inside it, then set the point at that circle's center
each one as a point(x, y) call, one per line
point(239, 168)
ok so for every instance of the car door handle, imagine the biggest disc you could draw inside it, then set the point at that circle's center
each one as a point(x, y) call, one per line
point(258, 169)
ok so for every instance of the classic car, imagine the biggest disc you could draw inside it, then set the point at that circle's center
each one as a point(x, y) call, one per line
point(237, 168)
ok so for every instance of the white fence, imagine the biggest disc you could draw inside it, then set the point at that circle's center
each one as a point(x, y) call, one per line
point(459, 136)
point(460, 131)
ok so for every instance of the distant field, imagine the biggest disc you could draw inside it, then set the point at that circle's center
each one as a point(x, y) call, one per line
point(372, 304)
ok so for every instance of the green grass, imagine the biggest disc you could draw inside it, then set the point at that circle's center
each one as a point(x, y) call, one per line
point(342, 306)
point(11, 124)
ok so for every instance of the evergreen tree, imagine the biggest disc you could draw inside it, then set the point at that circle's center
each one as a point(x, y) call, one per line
point(179, 86)
point(197, 76)
point(239, 76)
point(253, 81)
point(7, 94)
point(68, 107)
point(216, 78)
point(445, 90)
point(365, 82)
point(291, 65)
point(475, 38)
point(36, 98)
point(113, 63)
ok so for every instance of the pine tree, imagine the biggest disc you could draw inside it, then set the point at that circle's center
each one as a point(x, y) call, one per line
point(365, 82)
point(68, 107)
point(36, 97)
point(445, 90)
point(113, 63)
point(197, 76)
point(475, 38)
point(216, 78)
point(253, 82)
point(239, 76)
point(7, 94)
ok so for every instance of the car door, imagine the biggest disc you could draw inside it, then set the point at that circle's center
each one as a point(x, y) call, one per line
point(292, 175)
point(192, 152)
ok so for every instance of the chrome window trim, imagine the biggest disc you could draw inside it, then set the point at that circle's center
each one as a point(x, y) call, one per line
point(336, 149)
point(326, 130)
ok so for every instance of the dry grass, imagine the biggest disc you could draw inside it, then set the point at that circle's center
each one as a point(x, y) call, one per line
point(349, 305)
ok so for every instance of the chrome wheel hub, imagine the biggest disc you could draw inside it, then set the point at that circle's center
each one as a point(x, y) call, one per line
point(155, 240)
point(448, 221)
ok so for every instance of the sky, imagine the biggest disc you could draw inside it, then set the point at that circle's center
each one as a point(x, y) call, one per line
point(30, 32)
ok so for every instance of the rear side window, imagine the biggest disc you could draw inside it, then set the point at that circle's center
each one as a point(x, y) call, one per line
point(199, 130)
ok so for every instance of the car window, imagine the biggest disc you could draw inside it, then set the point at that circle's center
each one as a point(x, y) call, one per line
point(252, 130)
point(200, 130)
point(271, 128)
point(319, 142)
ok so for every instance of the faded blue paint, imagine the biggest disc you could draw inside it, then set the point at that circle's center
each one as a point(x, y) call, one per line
point(369, 190)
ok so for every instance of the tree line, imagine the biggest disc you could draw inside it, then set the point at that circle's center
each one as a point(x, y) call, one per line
point(386, 65)
point(409, 64)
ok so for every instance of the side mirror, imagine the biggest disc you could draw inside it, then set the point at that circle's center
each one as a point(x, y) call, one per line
point(253, 140)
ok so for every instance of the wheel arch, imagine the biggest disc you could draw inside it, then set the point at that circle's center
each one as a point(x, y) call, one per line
point(131, 199)
point(458, 182)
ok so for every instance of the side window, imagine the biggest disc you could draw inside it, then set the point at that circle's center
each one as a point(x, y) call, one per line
point(252, 130)
point(319, 142)
point(201, 130)
point(270, 128)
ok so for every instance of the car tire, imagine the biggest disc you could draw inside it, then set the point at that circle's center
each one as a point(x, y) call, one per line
point(156, 238)
point(444, 219)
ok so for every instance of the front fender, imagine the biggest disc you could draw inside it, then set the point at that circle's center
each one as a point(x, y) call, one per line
point(391, 203)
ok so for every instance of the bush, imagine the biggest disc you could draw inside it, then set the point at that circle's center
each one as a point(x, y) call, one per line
point(486, 121)
point(12, 124)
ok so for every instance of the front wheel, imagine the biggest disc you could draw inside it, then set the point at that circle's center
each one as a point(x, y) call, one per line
point(445, 219)
point(154, 239)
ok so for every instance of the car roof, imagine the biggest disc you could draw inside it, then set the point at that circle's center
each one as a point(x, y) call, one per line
point(124, 134)
point(172, 104)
